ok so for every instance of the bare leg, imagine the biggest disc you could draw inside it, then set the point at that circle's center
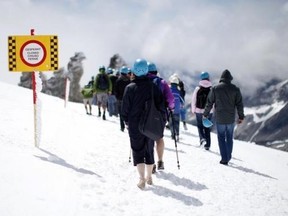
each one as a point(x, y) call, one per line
point(141, 171)
point(149, 169)
point(160, 149)
point(90, 108)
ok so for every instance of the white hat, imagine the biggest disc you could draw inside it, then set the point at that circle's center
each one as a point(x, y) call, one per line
point(174, 79)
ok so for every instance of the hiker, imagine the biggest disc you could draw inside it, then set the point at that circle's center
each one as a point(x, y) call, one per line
point(87, 93)
point(102, 87)
point(227, 99)
point(178, 102)
point(112, 101)
point(91, 83)
point(183, 110)
point(136, 94)
point(169, 104)
point(120, 86)
point(199, 98)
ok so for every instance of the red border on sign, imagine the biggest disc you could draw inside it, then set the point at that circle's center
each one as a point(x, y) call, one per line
point(44, 53)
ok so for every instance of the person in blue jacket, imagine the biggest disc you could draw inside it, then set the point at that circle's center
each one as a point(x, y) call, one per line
point(178, 103)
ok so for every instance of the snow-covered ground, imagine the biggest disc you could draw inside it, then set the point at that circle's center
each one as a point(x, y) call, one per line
point(82, 168)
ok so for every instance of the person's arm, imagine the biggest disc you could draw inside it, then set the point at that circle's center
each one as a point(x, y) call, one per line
point(169, 98)
point(239, 106)
point(194, 99)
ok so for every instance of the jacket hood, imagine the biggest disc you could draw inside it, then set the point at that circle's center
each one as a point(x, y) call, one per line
point(205, 83)
point(226, 76)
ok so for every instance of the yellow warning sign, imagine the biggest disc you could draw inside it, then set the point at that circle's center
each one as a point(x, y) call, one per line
point(33, 53)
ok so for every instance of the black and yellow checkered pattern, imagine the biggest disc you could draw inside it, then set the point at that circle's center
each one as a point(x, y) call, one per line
point(12, 53)
point(54, 52)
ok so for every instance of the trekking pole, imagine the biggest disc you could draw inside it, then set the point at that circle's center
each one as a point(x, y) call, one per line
point(174, 137)
point(130, 156)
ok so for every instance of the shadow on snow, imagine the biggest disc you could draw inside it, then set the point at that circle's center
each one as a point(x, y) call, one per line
point(52, 158)
point(181, 181)
point(187, 200)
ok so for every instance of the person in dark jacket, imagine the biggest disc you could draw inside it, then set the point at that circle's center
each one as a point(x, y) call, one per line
point(102, 88)
point(120, 86)
point(135, 96)
point(197, 108)
point(227, 99)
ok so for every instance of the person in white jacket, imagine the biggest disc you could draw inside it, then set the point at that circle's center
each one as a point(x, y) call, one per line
point(199, 98)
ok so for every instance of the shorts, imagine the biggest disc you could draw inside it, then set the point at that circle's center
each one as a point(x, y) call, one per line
point(102, 98)
point(87, 101)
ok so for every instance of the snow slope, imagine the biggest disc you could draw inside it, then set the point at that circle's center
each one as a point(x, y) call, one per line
point(82, 168)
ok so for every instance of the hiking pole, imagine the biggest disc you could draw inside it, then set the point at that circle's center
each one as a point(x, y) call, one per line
point(130, 156)
point(174, 137)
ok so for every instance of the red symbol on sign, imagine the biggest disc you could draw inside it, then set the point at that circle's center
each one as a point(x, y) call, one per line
point(33, 53)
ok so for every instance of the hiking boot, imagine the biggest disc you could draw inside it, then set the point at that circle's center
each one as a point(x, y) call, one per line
point(104, 117)
point(154, 169)
point(149, 181)
point(223, 162)
point(141, 184)
point(160, 165)
point(99, 113)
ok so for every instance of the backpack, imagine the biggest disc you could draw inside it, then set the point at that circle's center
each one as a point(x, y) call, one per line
point(157, 82)
point(151, 123)
point(87, 92)
point(201, 98)
point(103, 83)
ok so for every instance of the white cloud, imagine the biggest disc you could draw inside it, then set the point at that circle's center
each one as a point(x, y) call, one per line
point(249, 38)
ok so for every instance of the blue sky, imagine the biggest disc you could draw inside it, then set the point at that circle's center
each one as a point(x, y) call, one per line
point(247, 37)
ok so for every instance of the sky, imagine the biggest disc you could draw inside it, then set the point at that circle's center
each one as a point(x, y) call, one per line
point(82, 168)
point(247, 37)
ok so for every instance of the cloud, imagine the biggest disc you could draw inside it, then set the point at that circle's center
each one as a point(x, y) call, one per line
point(247, 37)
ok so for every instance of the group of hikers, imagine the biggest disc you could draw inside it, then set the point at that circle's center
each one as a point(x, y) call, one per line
point(125, 95)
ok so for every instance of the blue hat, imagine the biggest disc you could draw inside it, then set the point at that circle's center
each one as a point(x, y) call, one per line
point(124, 70)
point(204, 75)
point(109, 70)
point(140, 67)
point(152, 67)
